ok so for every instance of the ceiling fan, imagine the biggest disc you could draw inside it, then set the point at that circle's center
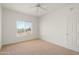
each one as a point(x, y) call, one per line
point(39, 6)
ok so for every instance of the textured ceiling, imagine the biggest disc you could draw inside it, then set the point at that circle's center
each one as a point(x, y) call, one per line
point(29, 8)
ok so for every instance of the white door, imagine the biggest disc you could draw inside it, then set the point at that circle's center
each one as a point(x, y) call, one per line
point(69, 30)
point(73, 30)
point(0, 27)
point(77, 29)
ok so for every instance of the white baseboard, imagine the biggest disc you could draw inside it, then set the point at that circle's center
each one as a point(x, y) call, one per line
point(61, 45)
point(20, 41)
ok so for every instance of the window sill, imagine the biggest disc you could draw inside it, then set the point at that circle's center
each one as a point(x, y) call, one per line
point(23, 34)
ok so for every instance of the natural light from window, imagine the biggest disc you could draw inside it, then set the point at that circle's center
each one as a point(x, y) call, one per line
point(23, 27)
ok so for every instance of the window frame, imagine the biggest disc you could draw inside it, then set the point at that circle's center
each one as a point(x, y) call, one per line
point(18, 35)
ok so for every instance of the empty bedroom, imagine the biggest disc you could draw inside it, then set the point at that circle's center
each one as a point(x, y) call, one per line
point(39, 28)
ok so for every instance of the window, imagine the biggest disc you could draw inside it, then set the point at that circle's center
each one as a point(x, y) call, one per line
point(23, 27)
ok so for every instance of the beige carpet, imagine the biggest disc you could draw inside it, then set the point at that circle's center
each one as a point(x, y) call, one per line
point(35, 47)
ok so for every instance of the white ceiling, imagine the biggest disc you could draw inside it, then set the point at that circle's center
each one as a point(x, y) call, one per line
point(29, 8)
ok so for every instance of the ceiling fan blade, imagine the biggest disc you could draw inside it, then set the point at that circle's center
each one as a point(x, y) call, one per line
point(36, 5)
point(32, 7)
point(44, 8)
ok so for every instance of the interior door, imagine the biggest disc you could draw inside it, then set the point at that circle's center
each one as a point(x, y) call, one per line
point(0, 27)
point(77, 29)
point(69, 31)
point(73, 30)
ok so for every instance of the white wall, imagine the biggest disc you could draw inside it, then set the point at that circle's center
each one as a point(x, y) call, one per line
point(0, 26)
point(9, 26)
point(53, 27)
